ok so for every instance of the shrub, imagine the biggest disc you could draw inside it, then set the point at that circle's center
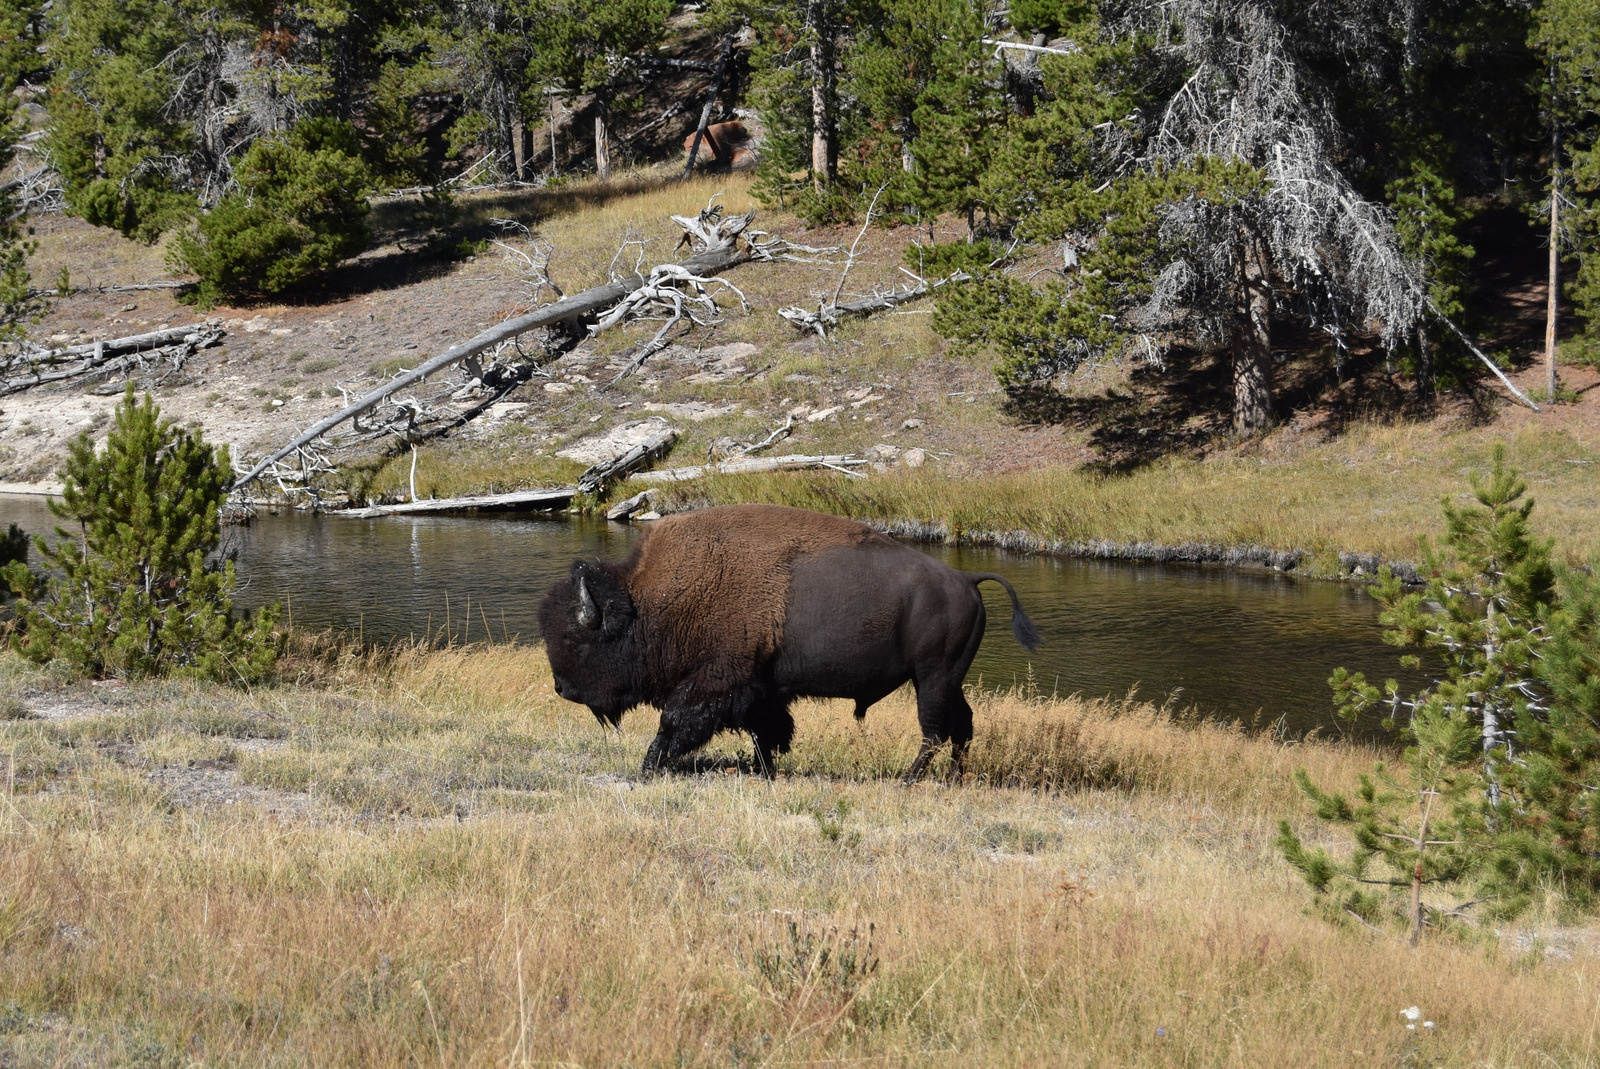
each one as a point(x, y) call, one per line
point(300, 208)
point(130, 593)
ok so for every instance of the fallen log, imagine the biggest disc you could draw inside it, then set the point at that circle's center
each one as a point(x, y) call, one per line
point(73, 291)
point(106, 356)
point(711, 99)
point(608, 471)
point(712, 260)
point(154, 339)
point(829, 315)
point(749, 466)
point(521, 500)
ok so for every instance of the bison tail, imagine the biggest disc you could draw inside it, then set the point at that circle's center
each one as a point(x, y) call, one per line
point(1022, 628)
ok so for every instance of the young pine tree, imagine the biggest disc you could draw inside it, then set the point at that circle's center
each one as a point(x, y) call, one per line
point(1496, 789)
point(131, 594)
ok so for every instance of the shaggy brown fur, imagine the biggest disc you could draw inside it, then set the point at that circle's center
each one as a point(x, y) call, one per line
point(738, 558)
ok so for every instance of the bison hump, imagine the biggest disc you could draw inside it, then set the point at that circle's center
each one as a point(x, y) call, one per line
point(713, 585)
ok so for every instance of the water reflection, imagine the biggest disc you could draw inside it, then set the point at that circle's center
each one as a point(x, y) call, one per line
point(1240, 645)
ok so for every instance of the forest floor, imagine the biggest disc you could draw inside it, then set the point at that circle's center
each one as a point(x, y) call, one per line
point(429, 858)
point(1121, 455)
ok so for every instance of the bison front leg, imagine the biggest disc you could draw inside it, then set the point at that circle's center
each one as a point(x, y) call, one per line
point(685, 727)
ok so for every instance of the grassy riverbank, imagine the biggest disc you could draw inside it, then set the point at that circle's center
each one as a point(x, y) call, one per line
point(1373, 491)
point(433, 859)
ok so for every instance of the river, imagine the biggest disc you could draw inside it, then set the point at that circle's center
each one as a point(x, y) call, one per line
point(1256, 647)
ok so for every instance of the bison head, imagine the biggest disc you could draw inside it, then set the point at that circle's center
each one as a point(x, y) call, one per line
point(589, 626)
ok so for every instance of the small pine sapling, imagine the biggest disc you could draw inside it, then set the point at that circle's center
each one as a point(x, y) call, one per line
point(1484, 616)
point(129, 592)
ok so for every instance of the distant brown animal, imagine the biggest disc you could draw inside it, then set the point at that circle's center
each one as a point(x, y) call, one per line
point(727, 143)
point(722, 617)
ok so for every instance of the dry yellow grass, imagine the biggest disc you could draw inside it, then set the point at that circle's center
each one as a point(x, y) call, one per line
point(1375, 490)
point(433, 860)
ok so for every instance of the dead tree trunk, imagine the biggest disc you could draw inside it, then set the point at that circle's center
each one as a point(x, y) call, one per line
point(1555, 277)
point(1252, 341)
point(602, 149)
point(711, 102)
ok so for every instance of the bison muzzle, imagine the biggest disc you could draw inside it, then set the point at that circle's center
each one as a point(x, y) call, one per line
point(722, 617)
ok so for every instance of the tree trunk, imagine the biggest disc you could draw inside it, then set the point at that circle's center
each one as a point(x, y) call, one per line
point(555, 155)
point(602, 150)
point(908, 134)
point(1555, 281)
point(519, 145)
point(1252, 342)
point(1424, 363)
point(710, 102)
point(824, 151)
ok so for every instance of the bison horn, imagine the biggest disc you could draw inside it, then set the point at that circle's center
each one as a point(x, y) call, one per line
point(588, 611)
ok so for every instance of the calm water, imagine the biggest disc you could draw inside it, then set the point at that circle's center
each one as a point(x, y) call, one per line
point(1246, 646)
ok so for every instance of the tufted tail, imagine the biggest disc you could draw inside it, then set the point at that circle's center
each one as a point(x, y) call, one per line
point(1022, 628)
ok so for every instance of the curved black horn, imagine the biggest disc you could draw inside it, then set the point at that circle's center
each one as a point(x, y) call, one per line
point(588, 611)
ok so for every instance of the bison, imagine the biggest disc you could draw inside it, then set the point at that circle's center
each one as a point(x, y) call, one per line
point(722, 617)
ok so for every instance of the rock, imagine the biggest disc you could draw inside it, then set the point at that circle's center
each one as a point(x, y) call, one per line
point(867, 400)
point(887, 451)
point(734, 350)
point(799, 411)
point(915, 458)
point(256, 325)
point(693, 411)
point(652, 515)
point(823, 413)
point(858, 394)
point(911, 424)
point(559, 387)
point(276, 403)
point(618, 440)
point(623, 509)
point(504, 410)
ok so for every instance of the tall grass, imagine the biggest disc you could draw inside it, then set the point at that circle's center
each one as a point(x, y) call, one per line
point(1375, 491)
point(549, 907)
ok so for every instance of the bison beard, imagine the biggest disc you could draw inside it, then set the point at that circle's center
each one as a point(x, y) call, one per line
point(722, 617)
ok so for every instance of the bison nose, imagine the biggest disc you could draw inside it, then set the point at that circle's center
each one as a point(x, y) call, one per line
point(560, 690)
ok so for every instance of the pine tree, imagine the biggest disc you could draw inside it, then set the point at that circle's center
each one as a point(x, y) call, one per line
point(300, 208)
point(1495, 792)
point(1551, 810)
point(111, 136)
point(131, 594)
point(1427, 222)
point(585, 44)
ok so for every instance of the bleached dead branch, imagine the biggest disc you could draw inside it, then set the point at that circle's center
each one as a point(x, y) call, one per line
point(826, 317)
